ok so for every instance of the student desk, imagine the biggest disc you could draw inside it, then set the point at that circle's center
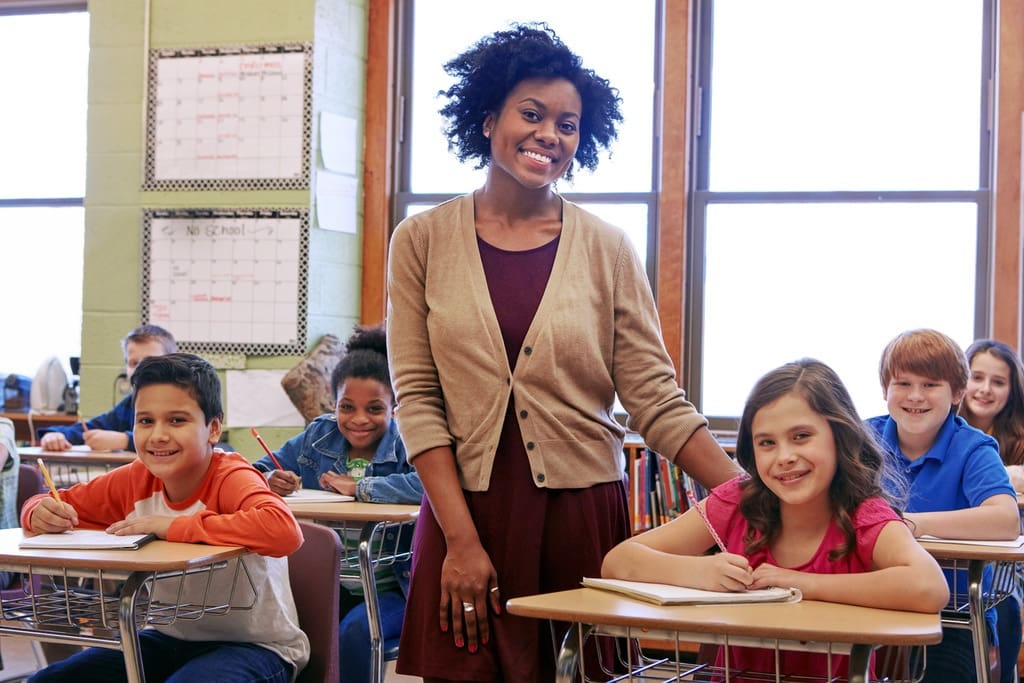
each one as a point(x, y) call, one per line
point(805, 625)
point(380, 528)
point(54, 608)
point(26, 423)
point(968, 611)
point(78, 464)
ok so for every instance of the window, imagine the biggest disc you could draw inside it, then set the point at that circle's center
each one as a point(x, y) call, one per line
point(42, 184)
point(841, 187)
point(625, 51)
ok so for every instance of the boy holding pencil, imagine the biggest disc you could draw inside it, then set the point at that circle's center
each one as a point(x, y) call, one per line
point(112, 431)
point(180, 489)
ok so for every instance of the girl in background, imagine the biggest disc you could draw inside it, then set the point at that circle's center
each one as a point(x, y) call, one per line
point(994, 403)
point(812, 514)
point(357, 451)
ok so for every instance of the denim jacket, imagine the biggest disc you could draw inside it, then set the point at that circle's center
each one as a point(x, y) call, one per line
point(389, 477)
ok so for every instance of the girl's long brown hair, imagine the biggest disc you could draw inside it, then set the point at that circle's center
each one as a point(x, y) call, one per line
point(861, 464)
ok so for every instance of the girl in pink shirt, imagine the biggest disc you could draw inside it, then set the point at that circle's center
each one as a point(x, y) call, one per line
point(810, 514)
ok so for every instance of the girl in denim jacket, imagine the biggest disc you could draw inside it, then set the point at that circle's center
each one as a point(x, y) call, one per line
point(359, 452)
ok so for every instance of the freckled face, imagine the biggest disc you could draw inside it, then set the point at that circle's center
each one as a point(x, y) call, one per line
point(535, 135)
point(364, 411)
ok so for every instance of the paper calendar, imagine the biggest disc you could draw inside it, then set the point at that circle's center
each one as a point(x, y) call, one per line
point(229, 118)
point(227, 280)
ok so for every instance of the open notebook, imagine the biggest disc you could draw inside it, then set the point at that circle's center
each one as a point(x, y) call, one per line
point(315, 496)
point(1015, 543)
point(87, 539)
point(664, 594)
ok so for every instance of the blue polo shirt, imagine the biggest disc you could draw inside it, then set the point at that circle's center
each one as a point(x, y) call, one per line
point(961, 470)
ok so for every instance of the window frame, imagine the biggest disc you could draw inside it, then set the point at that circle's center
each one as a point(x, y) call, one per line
point(701, 197)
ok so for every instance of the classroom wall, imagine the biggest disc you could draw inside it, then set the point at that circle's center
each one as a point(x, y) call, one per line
point(121, 31)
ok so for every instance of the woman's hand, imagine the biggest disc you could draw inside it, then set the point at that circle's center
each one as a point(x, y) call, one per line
point(469, 585)
point(342, 483)
point(284, 483)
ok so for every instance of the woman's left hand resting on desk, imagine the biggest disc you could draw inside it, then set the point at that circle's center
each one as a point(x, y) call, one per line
point(52, 517)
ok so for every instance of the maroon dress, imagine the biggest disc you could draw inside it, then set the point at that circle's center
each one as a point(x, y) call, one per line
point(540, 540)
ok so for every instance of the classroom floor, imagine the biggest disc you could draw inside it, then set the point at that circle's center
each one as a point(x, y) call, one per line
point(18, 661)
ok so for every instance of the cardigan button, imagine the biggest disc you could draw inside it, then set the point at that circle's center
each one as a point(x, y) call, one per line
point(528, 350)
point(529, 445)
point(523, 414)
point(540, 477)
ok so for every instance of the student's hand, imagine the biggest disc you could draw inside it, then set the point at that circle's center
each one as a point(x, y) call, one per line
point(726, 572)
point(147, 524)
point(342, 483)
point(105, 440)
point(468, 587)
point(770, 576)
point(284, 483)
point(54, 441)
point(1016, 473)
point(915, 524)
point(51, 517)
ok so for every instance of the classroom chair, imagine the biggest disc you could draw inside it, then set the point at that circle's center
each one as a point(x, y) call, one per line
point(313, 573)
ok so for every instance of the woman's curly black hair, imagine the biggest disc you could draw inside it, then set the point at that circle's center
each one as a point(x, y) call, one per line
point(488, 71)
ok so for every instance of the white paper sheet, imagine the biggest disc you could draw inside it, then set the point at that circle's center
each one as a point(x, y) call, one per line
point(255, 398)
point(336, 201)
point(316, 496)
point(338, 142)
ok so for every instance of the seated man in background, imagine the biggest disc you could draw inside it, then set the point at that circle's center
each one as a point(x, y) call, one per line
point(112, 430)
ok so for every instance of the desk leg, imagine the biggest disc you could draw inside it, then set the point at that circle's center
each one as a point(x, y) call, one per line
point(860, 663)
point(370, 597)
point(979, 632)
point(567, 667)
point(130, 636)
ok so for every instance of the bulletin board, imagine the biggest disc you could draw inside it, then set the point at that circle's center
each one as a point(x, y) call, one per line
point(229, 118)
point(227, 280)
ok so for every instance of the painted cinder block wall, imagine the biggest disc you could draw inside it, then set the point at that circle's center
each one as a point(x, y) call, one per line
point(114, 200)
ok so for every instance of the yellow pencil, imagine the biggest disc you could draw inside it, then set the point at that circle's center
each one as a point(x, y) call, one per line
point(49, 482)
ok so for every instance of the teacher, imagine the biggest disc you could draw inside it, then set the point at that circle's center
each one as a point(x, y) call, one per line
point(514, 319)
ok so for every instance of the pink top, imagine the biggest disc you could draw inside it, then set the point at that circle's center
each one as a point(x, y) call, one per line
point(868, 521)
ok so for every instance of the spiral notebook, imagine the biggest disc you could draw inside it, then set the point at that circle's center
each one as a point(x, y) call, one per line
point(665, 594)
point(86, 539)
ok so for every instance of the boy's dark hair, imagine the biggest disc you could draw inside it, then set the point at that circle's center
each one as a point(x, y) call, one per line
point(366, 357)
point(862, 468)
point(184, 370)
point(1008, 425)
point(489, 70)
point(928, 353)
point(145, 333)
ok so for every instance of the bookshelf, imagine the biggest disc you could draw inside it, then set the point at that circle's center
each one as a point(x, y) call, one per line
point(657, 487)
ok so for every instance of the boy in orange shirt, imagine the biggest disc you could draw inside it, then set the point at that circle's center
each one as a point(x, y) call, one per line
point(181, 490)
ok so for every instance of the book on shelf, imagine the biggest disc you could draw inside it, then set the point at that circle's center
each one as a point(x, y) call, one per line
point(666, 594)
point(86, 539)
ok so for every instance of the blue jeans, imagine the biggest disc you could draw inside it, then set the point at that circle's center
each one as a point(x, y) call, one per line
point(354, 634)
point(176, 661)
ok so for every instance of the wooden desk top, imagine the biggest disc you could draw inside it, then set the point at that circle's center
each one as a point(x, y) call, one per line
point(354, 512)
point(152, 557)
point(808, 620)
point(965, 551)
point(78, 455)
